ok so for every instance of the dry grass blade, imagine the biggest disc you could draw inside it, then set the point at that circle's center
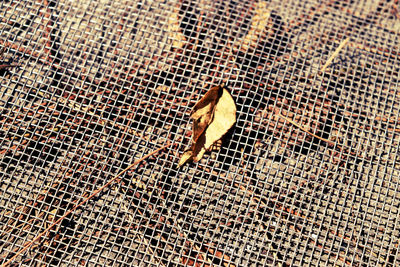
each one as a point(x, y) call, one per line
point(29, 244)
point(337, 51)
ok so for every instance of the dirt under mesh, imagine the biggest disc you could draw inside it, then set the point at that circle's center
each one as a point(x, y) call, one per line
point(309, 175)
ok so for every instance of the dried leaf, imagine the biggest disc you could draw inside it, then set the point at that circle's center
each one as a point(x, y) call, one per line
point(202, 113)
point(186, 156)
point(213, 116)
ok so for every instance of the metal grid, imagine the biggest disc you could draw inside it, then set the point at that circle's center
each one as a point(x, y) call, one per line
point(102, 83)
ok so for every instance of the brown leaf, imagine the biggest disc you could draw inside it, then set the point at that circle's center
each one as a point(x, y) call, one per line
point(202, 113)
point(213, 116)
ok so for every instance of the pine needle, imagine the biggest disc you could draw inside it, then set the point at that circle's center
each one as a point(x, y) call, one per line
point(310, 133)
point(337, 51)
point(5, 66)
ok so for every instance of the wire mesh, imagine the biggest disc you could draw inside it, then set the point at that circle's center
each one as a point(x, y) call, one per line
point(102, 83)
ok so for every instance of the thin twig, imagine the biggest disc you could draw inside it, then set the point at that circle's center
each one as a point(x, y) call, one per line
point(27, 245)
point(307, 131)
point(5, 66)
point(337, 51)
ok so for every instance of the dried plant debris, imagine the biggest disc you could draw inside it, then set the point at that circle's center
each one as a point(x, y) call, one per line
point(213, 116)
point(5, 66)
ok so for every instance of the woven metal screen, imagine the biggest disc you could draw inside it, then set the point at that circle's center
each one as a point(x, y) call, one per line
point(309, 174)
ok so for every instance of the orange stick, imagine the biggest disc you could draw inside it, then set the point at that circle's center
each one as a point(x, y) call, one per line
point(4, 66)
point(28, 244)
